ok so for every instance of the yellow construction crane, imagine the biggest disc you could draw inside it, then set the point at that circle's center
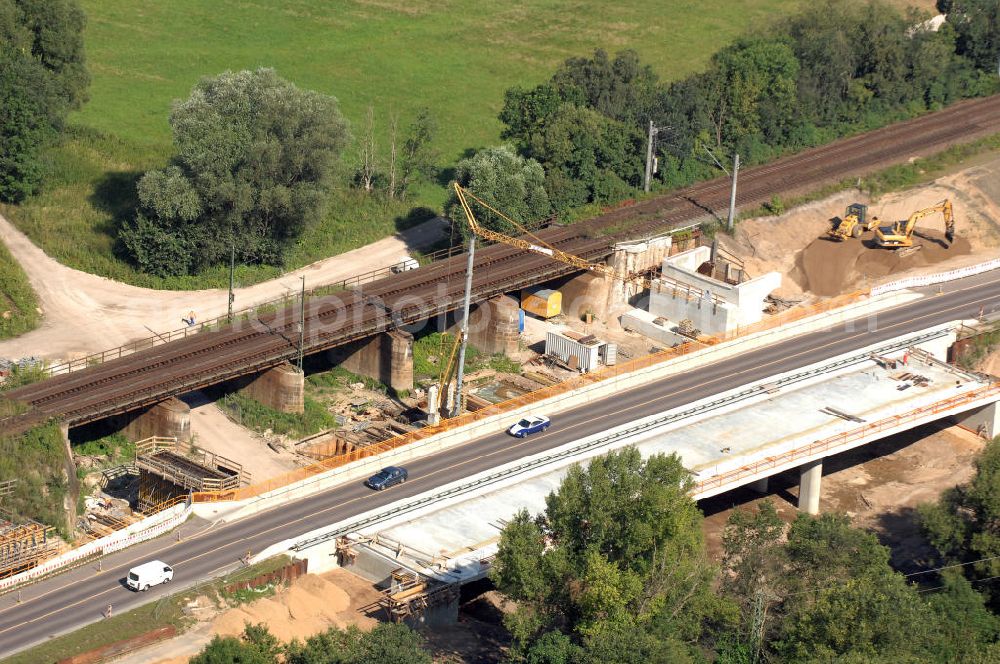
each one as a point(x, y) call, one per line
point(855, 222)
point(538, 246)
point(900, 233)
point(535, 245)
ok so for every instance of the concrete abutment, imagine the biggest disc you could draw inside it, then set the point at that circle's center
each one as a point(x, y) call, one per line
point(281, 388)
point(170, 418)
point(984, 420)
point(386, 357)
point(608, 297)
point(493, 325)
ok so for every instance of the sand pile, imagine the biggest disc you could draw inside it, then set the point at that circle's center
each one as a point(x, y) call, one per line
point(311, 605)
point(828, 267)
point(794, 243)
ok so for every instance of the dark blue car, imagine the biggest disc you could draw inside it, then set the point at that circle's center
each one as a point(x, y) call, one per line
point(386, 478)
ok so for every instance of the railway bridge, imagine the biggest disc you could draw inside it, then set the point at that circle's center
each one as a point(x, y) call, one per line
point(249, 349)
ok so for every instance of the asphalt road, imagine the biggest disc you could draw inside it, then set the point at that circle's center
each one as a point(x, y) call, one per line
point(76, 598)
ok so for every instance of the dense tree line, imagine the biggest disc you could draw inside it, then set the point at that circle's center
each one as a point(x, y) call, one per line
point(834, 68)
point(614, 570)
point(43, 76)
point(386, 644)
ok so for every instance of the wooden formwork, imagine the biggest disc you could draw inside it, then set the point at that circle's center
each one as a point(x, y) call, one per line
point(23, 544)
point(410, 594)
point(168, 469)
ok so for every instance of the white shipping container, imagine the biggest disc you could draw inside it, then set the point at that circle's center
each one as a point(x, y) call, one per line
point(562, 346)
point(611, 354)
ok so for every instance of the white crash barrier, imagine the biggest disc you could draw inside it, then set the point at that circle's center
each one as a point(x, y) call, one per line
point(147, 529)
point(941, 277)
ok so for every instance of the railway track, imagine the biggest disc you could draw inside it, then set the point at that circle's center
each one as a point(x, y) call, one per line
point(171, 369)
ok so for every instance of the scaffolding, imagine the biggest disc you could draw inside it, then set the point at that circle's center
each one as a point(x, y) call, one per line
point(23, 544)
point(409, 595)
point(169, 469)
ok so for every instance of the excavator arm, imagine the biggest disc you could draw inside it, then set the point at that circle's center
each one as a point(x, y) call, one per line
point(900, 234)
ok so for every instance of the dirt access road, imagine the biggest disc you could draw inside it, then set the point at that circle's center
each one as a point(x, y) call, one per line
point(84, 313)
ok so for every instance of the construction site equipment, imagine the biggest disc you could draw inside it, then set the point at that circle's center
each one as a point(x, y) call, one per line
point(169, 469)
point(900, 233)
point(578, 351)
point(23, 544)
point(855, 222)
point(542, 302)
point(535, 244)
point(410, 594)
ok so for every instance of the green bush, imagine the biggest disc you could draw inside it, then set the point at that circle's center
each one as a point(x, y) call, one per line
point(37, 460)
point(255, 415)
point(116, 447)
point(18, 304)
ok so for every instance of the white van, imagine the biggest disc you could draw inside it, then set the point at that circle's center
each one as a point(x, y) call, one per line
point(149, 574)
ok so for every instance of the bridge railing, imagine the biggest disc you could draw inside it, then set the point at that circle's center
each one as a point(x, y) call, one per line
point(247, 313)
point(743, 474)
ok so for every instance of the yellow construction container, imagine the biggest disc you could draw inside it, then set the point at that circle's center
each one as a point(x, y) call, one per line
point(542, 302)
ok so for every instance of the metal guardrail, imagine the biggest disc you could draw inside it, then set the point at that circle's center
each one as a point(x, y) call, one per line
point(528, 398)
point(605, 441)
point(741, 475)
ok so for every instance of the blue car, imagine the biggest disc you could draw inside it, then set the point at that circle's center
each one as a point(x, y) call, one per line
point(386, 478)
point(529, 425)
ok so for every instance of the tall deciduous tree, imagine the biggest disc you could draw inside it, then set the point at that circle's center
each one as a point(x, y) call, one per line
point(977, 23)
point(964, 525)
point(255, 156)
point(419, 157)
point(42, 76)
point(30, 110)
point(623, 575)
point(56, 29)
point(751, 90)
point(509, 183)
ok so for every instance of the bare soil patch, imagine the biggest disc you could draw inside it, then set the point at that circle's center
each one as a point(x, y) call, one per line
point(827, 267)
point(878, 486)
point(795, 244)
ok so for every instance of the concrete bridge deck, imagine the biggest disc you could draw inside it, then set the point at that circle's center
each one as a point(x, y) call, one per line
point(731, 440)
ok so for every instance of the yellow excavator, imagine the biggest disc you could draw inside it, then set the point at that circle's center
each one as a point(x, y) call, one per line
point(900, 234)
point(854, 223)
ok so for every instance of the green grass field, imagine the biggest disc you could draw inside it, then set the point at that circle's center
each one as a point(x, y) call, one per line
point(18, 306)
point(456, 57)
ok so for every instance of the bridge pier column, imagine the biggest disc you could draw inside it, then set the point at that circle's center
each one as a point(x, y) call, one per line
point(984, 420)
point(281, 388)
point(607, 297)
point(493, 326)
point(386, 357)
point(760, 486)
point(170, 418)
point(810, 479)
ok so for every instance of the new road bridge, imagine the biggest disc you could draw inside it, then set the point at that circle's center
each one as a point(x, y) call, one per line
point(70, 600)
point(210, 357)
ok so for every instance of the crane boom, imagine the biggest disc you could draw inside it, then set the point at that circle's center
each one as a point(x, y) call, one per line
point(539, 246)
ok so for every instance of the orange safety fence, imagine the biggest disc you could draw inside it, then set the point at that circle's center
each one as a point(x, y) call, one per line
point(162, 505)
point(605, 373)
point(741, 475)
